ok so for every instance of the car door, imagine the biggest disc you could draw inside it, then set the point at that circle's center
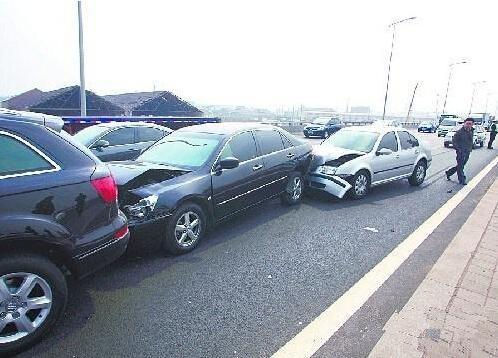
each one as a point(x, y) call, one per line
point(385, 167)
point(238, 188)
point(278, 161)
point(121, 145)
point(408, 153)
point(145, 137)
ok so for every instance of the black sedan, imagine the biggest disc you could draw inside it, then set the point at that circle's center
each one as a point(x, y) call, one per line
point(427, 127)
point(120, 140)
point(200, 175)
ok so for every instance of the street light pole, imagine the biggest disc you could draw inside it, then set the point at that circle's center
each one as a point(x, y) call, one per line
point(449, 78)
point(82, 63)
point(390, 60)
point(473, 93)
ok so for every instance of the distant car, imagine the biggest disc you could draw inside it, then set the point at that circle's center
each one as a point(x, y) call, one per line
point(357, 158)
point(479, 137)
point(427, 127)
point(442, 117)
point(58, 214)
point(322, 127)
point(387, 123)
point(449, 125)
point(201, 175)
point(120, 141)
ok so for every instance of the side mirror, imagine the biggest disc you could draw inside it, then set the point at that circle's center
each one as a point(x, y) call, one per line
point(228, 163)
point(101, 144)
point(384, 151)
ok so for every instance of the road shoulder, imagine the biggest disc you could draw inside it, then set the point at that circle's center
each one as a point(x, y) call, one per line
point(454, 310)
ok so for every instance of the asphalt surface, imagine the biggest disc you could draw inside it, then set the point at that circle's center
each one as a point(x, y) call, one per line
point(255, 281)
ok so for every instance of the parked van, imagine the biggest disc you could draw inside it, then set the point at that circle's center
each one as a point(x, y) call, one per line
point(448, 125)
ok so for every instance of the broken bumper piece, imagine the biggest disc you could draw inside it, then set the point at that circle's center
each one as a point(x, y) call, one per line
point(332, 184)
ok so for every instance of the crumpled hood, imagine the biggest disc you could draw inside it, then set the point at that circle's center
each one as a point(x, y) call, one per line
point(135, 174)
point(333, 156)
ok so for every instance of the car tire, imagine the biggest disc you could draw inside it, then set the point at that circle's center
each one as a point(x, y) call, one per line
point(360, 185)
point(293, 190)
point(481, 144)
point(446, 145)
point(48, 282)
point(306, 135)
point(418, 175)
point(179, 242)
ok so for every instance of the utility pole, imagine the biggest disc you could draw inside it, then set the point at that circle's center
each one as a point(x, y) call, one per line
point(82, 63)
point(411, 102)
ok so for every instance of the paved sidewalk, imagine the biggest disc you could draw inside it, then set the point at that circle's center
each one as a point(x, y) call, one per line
point(454, 311)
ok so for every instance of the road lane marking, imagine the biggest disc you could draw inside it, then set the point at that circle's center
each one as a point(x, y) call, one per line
point(323, 327)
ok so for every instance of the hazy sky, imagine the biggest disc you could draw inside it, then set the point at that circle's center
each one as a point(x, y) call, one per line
point(257, 53)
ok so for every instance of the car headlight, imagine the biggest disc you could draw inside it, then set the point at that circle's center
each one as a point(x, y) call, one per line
point(327, 169)
point(143, 208)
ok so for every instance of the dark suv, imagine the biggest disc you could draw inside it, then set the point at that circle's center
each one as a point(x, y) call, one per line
point(322, 127)
point(58, 215)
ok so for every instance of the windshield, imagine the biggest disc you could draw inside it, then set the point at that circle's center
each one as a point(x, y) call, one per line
point(425, 123)
point(321, 121)
point(354, 140)
point(182, 149)
point(449, 122)
point(88, 135)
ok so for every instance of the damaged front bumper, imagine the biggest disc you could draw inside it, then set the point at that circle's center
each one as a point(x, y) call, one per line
point(332, 184)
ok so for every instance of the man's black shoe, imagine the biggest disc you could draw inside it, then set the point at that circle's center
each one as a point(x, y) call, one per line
point(448, 177)
point(463, 183)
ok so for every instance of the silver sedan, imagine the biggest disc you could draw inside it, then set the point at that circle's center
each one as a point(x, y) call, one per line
point(357, 158)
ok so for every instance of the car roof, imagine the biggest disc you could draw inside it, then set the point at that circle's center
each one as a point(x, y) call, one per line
point(374, 129)
point(131, 124)
point(225, 128)
point(52, 122)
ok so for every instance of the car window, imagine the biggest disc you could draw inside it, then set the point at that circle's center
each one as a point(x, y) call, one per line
point(407, 140)
point(270, 141)
point(145, 134)
point(413, 141)
point(389, 142)
point(242, 147)
point(120, 136)
point(287, 141)
point(18, 158)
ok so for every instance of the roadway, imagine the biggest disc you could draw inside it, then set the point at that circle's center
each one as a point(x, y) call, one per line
point(255, 281)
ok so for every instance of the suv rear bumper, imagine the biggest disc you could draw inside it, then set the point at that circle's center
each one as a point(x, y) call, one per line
point(103, 254)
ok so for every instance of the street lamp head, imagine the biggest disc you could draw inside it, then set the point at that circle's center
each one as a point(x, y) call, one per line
point(400, 21)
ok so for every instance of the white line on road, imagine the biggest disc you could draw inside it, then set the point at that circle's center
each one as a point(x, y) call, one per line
point(322, 328)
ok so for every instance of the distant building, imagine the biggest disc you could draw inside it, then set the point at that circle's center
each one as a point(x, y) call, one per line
point(66, 102)
point(23, 101)
point(161, 103)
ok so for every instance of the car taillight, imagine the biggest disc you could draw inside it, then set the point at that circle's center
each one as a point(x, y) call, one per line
point(107, 188)
point(121, 233)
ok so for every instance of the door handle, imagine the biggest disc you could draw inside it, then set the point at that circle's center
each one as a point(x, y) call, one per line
point(417, 151)
point(290, 155)
point(397, 156)
point(257, 167)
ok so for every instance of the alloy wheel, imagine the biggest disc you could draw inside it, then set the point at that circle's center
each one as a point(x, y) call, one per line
point(297, 188)
point(25, 303)
point(420, 173)
point(188, 229)
point(361, 185)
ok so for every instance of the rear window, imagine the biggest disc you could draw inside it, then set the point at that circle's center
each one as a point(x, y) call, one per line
point(18, 158)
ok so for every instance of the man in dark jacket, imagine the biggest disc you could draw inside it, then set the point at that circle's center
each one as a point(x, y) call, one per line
point(492, 136)
point(463, 141)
